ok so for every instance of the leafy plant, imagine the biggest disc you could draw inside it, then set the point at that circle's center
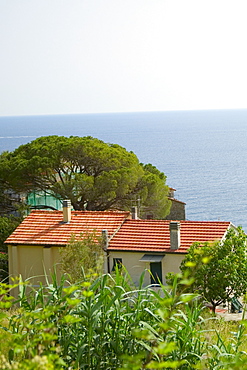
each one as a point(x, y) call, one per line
point(7, 226)
point(221, 268)
point(82, 256)
point(106, 323)
point(177, 341)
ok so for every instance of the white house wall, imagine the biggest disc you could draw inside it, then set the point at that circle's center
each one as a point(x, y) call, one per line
point(135, 267)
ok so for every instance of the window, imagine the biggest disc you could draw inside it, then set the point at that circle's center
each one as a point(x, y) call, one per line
point(117, 262)
point(156, 272)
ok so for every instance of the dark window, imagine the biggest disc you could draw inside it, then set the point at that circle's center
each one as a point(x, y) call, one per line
point(156, 272)
point(117, 262)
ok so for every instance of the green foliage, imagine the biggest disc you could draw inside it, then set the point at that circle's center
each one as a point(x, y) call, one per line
point(81, 257)
point(7, 226)
point(88, 326)
point(177, 342)
point(3, 266)
point(102, 323)
point(94, 175)
point(11, 202)
point(221, 268)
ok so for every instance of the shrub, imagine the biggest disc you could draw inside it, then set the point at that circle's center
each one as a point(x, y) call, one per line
point(102, 323)
point(82, 256)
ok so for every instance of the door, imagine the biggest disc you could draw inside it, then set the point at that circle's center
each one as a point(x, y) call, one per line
point(156, 272)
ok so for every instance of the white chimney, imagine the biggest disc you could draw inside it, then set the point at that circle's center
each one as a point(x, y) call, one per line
point(134, 213)
point(174, 234)
point(66, 211)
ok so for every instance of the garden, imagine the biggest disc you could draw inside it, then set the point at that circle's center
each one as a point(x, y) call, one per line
point(104, 322)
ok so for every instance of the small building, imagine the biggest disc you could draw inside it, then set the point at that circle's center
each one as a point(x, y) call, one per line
point(177, 210)
point(155, 245)
point(159, 245)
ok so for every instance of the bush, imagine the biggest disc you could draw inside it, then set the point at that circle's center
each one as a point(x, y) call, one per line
point(219, 269)
point(3, 266)
point(82, 256)
point(7, 226)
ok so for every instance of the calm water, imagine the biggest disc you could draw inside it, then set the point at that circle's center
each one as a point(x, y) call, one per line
point(202, 153)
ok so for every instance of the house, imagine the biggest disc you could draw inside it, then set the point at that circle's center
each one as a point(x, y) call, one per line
point(33, 247)
point(158, 245)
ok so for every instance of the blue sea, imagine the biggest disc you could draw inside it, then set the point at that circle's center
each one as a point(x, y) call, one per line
point(202, 153)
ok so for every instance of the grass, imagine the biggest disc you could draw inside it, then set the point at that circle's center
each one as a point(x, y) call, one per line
point(106, 323)
point(5, 339)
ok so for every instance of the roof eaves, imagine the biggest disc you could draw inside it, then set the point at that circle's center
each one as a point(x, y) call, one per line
point(176, 200)
point(230, 226)
point(149, 250)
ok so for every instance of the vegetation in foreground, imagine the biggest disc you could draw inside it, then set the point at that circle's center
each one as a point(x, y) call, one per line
point(104, 323)
point(7, 226)
point(219, 269)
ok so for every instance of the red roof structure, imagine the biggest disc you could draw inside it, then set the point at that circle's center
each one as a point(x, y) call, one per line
point(154, 235)
point(48, 228)
point(125, 234)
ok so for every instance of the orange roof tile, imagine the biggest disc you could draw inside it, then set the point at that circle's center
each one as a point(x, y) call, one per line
point(47, 227)
point(154, 235)
point(176, 200)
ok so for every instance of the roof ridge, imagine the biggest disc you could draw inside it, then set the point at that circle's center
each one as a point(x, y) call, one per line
point(119, 227)
point(182, 221)
point(50, 212)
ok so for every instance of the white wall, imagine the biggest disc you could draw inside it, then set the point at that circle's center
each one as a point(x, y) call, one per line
point(135, 267)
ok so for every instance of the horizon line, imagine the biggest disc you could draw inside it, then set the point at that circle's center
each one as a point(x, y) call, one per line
point(125, 112)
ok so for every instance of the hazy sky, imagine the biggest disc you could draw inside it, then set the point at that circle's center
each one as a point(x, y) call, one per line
point(92, 56)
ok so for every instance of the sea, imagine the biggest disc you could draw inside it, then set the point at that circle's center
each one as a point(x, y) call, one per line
point(202, 153)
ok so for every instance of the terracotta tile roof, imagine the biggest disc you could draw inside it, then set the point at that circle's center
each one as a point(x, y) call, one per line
point(176, 200)
point(47, 227)
point(154, 235)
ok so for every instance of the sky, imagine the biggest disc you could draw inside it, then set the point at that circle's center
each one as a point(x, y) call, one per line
point(95, 56)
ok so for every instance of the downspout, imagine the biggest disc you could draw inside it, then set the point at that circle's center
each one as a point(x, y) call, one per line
point(105, 240)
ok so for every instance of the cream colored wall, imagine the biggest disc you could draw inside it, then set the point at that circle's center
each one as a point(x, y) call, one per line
point(131, 261)
point(33, 263)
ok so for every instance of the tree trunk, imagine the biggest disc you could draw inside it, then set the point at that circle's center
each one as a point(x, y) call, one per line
point(214, 307)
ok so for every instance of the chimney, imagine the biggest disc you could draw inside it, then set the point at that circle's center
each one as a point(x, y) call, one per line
point(174, 235)
point(134, 213)
point(66, 211)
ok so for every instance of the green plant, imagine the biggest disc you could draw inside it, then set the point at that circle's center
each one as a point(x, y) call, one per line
point(219, 269)
point(177, 340)
point(105, 323)
point(3, 266)
point(88, 325)
point(107, 315)
point(230, 352)
point(82, 256)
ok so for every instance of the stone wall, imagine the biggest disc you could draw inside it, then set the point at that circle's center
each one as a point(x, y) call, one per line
point(177, 211)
